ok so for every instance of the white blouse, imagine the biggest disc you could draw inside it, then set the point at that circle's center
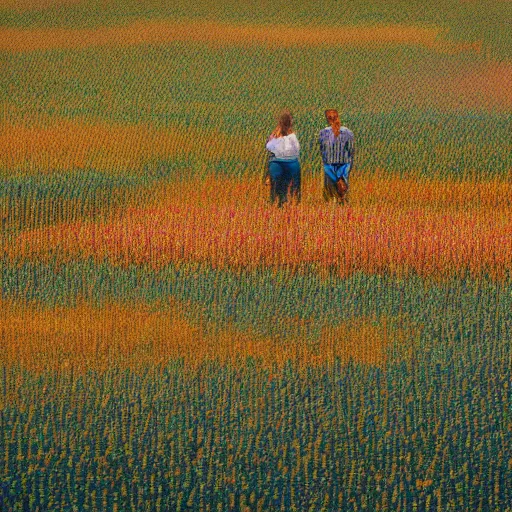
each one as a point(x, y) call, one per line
point(286, 147)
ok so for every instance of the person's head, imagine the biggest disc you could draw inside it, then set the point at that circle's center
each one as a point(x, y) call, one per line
point(334, 120)
point(284, 124)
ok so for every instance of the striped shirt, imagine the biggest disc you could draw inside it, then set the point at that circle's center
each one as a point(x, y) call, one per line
point(336, 150)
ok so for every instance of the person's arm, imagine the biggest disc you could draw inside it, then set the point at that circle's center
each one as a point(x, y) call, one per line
point(266, 172)
point(295, 143)
point(351, 150)
point(321, 145)
point(272, 144)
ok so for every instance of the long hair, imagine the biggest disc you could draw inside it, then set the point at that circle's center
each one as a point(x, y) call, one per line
point(334, 120)
point(284, 124)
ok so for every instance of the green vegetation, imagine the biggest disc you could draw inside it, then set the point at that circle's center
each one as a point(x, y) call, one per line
point(397, 392)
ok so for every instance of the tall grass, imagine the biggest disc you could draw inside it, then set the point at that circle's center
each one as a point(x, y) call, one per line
point(391, 226)
point(170, 341)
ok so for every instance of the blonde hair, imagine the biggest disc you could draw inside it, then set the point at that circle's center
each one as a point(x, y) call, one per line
point(334, 120)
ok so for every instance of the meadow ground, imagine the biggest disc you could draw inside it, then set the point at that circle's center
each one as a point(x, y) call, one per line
point(171, 341)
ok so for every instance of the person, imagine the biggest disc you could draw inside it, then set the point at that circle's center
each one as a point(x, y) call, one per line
point(337, 150)
point(283, 163)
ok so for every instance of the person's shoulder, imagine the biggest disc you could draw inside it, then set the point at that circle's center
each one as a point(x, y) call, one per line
point(272, 141)
point(325, 130)
point(347, 131)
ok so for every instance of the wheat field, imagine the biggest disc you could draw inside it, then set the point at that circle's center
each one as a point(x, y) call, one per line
point(171, 341)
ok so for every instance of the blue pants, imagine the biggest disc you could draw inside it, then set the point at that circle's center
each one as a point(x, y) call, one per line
point(336, 181)
point(337, 172)
point(284, 175)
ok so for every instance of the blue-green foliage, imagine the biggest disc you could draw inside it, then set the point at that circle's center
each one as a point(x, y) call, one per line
point(486, 20)
point(239, 92)
point(431, 436)
point(464, 310)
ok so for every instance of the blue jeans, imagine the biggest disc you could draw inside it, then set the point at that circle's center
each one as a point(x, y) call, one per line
point(337, 171)
point(335, 175)
point(284, 175)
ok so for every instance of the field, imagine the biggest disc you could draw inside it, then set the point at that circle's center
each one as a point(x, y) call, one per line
point(170, 341)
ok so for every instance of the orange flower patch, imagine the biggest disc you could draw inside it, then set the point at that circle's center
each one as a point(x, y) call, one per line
point(35, 5)
point(134, 335)
point(230, 225)
point(490, 84)
point(224, 34)
point(66, 144)
point(368, 341)
point(465, 87)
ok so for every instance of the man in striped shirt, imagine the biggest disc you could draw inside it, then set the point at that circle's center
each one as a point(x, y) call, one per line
point(337, 149)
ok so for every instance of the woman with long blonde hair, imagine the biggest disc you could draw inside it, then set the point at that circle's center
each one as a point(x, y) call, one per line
point(284, 166)
point(337, 150)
